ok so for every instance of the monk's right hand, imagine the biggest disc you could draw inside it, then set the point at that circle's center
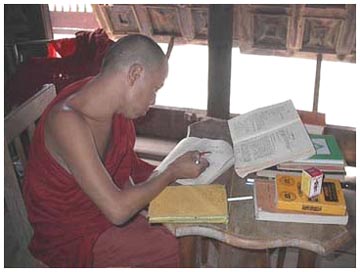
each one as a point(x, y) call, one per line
point(189, 165)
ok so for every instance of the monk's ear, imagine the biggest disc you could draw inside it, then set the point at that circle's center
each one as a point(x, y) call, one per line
point(134, 73)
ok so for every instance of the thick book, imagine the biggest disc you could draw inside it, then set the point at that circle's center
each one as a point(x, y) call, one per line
point(328, 152)
point(266, 210)
point(272, 172)
point(261, 138)
point(190, 204)
point(326, 168)
point(290, 197)
point(268, 136)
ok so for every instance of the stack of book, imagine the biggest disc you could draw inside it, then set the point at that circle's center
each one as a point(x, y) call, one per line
point(328, 158)
point(282, 200)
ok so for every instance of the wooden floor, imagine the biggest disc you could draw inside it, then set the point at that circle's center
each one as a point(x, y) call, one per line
point(344, 258)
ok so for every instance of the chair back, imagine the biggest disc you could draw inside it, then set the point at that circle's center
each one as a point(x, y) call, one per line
point(19, 127)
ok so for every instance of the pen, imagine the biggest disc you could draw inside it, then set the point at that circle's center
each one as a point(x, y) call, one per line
point(197, 161)
point(239, 198)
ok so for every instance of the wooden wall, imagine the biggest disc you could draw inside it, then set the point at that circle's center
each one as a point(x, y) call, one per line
point(23, 23)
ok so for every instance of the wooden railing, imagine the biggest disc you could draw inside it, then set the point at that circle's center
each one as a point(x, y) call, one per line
point(168, 125)
point(70, 8)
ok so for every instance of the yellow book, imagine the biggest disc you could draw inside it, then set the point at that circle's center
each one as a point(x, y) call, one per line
point(190, 204)
point(290, 197)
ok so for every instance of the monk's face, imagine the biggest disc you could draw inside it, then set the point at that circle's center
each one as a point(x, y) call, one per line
point(143, 92)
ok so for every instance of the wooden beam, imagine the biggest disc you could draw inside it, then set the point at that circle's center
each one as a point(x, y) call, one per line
point(17, 121)
point(15, 203)
point(186, 23)
point(346, 139)
point(347, 37)
point(187, 251)
point(220, 46)
point(75, 20)
point(45, 14)
point(244, 27)
point(296, 27)
point(103, 19)
point(306, 259)
point(143, 19)
point(317, 83)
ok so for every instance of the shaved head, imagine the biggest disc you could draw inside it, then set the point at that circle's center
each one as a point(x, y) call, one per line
point(133, 49)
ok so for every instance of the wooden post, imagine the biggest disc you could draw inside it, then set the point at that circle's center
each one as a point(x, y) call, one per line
point(187, 251)
point(306, 259)
point(317, 83)
point(220, 46)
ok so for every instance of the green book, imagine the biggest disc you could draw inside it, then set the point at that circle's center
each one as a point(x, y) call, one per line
point(327, 151)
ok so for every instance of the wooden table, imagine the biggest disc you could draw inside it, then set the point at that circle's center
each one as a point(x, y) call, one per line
point(244, 232)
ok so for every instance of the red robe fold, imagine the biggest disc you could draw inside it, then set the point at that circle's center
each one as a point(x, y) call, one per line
point(66, 222)
point(81, 57)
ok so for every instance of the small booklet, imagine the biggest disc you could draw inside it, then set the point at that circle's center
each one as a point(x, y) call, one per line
point(190, 204)
point(261, 138)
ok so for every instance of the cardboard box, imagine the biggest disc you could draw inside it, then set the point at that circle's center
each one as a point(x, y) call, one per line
point(311, 182)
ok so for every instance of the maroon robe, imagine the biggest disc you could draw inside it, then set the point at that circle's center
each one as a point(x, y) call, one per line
point(66, 222)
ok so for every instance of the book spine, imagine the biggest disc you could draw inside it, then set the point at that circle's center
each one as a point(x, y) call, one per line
point(311, 207)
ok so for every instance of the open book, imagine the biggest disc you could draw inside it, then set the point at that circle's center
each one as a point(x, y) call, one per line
point(268, 136)
point(220, 159)
point(261, 138)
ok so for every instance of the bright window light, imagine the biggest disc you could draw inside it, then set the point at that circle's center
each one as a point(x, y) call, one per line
point(258, 81)
point(338, 93)
point(186, 84)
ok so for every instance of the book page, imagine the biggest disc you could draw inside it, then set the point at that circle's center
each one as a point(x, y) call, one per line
point(220, 159)
point(274, 147)
point(262, 120)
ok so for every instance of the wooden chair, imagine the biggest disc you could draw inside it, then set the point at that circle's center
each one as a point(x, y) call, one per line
point(19, 127)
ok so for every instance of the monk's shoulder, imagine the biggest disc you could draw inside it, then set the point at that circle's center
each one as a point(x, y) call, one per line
point(63, 121)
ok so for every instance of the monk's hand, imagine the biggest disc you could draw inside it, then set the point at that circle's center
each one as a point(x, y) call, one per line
point(189, 165)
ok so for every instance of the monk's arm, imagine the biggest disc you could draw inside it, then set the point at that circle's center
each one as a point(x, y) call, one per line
point(76, 147)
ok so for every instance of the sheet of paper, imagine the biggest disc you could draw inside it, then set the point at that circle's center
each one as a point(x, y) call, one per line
point(220, 159)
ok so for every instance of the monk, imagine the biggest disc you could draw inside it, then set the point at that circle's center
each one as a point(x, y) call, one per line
point(84, 186)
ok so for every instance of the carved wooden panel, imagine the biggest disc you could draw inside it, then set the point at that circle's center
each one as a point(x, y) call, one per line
point(164, 20)
point(117, 20)
point(284, 30)
point(123, 19)
point(200, 16)
point(300, 31)
point(321, 35)
point(187, 23)
point(270, 31)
